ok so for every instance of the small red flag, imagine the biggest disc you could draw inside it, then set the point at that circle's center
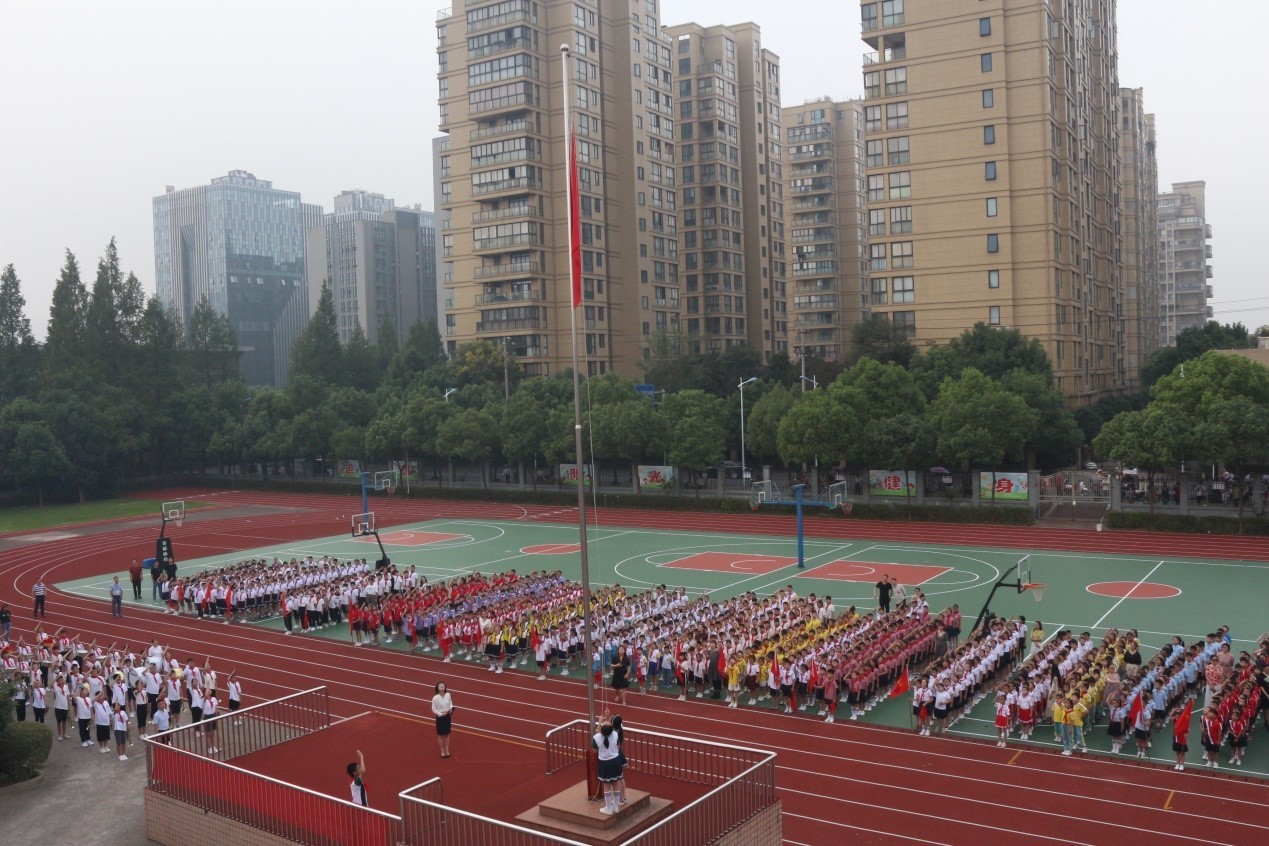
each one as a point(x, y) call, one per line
point(1134, 709)
point(535, 640)
point(901, 686)
point(722, 661)
point(575, 223)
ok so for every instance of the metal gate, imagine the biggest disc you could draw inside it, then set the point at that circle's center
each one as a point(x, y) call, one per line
point(1075, 494)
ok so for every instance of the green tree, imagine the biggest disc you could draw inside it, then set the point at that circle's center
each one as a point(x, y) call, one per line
point(991, 350)
point(696, 432)
point(64, 349)
point(361, 362)
point(628, 430)
point(422, 350)
point(485, 362)
point(881, 340)
point(607, 390)
point(762, 424)
point(19, 355)
point(1192, 343)
point(1213, 377)
point(1149, 439)
point(387, 344)
point(819, 425)
point(671, 366)
point(316, 351)
point(470, 435)
point(1055, 441)
point(37, 459)
point(1235, 432)
point(978, 423)
point(525, 429)
point(213, 344)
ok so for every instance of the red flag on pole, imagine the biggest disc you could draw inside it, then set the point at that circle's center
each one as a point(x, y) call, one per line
point(722, 661)
point(1134, 709)
point(1181, 728)
point(575, 223)
point(902, 685)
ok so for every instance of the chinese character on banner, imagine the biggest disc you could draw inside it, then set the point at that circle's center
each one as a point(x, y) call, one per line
point(655, 477)
point(572, 474)
point(1004, 486)
point(892, 483)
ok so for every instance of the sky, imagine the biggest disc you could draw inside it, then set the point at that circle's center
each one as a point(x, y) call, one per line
point(104, 104)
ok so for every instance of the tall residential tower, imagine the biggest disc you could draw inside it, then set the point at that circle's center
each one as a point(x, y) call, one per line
point(1138, 192)
point(1183, 253)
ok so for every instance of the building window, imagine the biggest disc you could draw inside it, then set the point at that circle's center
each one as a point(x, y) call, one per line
point(872, 118)
point(896, 81)
point(897, 150)
point(901, 255)
point(985, 62)
point(873, 150)
point(989, 171)
point(993, 279)
point(877, 252)
point(868, 15)
point(892, 12)
point(989, 134)
point(905, 321)
point(901, 185)
point(991, 207)
point(903, 290)
point(876, 221)
point(896, 116)
point(984, 26)
point(879, 293)
point(993, 243)
point(872, 84)
point(989, 98)
point(993, 315)
point(900, 220)
point(876, 188)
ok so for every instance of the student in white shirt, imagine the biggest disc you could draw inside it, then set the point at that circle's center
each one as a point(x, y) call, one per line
point(119, 722)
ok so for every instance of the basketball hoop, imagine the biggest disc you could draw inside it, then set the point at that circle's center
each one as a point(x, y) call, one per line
point(847, 507)
point(390, 489)
point(1037, 590)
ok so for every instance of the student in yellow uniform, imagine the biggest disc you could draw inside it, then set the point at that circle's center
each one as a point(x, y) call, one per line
point(1076, 718)
point(1059, 720)
point(734, 673)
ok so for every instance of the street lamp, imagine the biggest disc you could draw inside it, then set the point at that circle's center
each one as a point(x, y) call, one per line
point(742, 425)
point(449, 391)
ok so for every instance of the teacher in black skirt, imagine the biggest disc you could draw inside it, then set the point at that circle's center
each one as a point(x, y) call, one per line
point(620, 668)
point(442, 709)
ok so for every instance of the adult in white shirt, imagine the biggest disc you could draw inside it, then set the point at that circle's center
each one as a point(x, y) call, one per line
point(442, 709)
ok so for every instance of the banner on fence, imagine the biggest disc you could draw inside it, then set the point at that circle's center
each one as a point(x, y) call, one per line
point(1005, 485)
point(406, 470)
point(656, 477)
point(349, 469)
point(568, 474)
point(892, 482)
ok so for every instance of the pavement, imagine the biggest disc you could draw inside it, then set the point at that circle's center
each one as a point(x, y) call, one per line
point(112, 787)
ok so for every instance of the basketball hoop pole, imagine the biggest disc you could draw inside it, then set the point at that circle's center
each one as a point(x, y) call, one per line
point(365, 497)
point(1016, 584)
point(801, 536)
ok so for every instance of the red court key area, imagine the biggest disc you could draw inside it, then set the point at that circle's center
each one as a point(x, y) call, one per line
point(1134, 590)
point(745, 563)
point(864, 571)
point(551, 549)
point(408, 538)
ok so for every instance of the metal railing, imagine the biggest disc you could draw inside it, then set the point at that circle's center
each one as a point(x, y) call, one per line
point(427, 821)
point(178, 767)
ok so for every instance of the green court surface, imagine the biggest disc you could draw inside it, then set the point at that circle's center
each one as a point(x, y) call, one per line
point(1086, 592)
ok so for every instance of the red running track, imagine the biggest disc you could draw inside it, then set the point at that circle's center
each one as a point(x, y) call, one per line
point(846, 782)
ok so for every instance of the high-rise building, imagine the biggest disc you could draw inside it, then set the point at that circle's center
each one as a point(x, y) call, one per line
point(824, 179)
point(502, 179)
point(1138, 192)
point(239, 242)
point(998, 126)
point(374, 256)
point(732, 192)
point(1183, 253)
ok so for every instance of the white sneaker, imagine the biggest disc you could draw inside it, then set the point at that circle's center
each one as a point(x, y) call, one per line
point(499, 670)
point(682, 698)
point(123, 757)
point(1216, 765)
point(213, 750)
point(104, 750)
point(1066, 753)
point(541, 676)
point(86, 744)
point(447, 660)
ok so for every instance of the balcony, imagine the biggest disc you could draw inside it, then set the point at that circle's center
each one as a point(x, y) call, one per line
point(820, 151)
point(510, 297)
point(1207, 271)
point(511, 325)
point(516, 127)
point(522, 183)
point(890, 54)
point(507, 242)
point(811, 203)
point(507, 19)
point(499, 159)
point(505, 214)
point(510, 268)
point(499, 104)
point(499, 47)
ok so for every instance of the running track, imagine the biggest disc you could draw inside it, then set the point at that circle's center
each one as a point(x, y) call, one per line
point(847, 782)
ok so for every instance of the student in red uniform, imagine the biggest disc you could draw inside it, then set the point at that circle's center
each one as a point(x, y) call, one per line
point(1004, 719)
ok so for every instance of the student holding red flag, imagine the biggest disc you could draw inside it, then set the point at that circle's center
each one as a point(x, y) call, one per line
point(1180, 735)
point(902, 685)
point(1139, 718)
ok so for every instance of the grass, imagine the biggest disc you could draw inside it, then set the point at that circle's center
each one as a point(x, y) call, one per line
point(27, 518)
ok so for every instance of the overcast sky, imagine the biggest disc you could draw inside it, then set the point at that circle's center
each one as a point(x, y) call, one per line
point(103, 104)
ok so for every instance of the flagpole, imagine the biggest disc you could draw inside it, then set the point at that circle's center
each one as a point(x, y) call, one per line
point(574, 303)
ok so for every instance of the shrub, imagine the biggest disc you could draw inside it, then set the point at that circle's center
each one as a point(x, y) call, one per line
point(24, 747)
point(1188, 523)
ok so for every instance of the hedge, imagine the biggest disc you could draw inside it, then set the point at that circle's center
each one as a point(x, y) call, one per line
point(1187, 523)
point(24, 747)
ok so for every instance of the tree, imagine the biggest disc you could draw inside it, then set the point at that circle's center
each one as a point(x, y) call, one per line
point(317, 352)
point(423, 350)
point(818, 425)
point(671, 366)
point(37, 458)
point(696, 433)
point(470, 435)
point(212, 343)
point(484, 361)
point(387, 344)
point(882, 341)
point(1055, 441)
point(19, 355)
point(762, 424)
point(1213, 377)
point(64, 342)
point(1235, 432)
point(628, 430)
point(524, 429)
point(1192, 343)
point(1149, 439)
point(114, 310)
point(607, 390)
point(991, 350)
point(361, 362)
point(977, 423)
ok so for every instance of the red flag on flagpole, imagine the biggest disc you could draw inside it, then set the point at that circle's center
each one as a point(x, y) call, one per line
point(722, 661)
point(1182, 726)
point(1134, 709)
point(901, 686)
point(575, 223)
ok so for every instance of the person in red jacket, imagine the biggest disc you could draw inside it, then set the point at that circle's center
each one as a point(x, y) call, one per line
point(134, 574)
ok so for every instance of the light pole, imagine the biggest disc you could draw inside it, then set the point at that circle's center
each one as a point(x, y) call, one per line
point(742, 425)
point(449, 391)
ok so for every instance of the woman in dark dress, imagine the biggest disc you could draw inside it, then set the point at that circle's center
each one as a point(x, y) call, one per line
point(620, 668)
point(442, 709)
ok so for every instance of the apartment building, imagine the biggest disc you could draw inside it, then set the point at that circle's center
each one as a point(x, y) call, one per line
point(1138, 193)
point(376, 259)
point(731, 194)
point(1184, 271)
point(502, 179)
point(997, 127)
point(824, 150)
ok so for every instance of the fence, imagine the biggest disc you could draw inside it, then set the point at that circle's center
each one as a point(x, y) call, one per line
point(427, 821)
point(178, 767)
